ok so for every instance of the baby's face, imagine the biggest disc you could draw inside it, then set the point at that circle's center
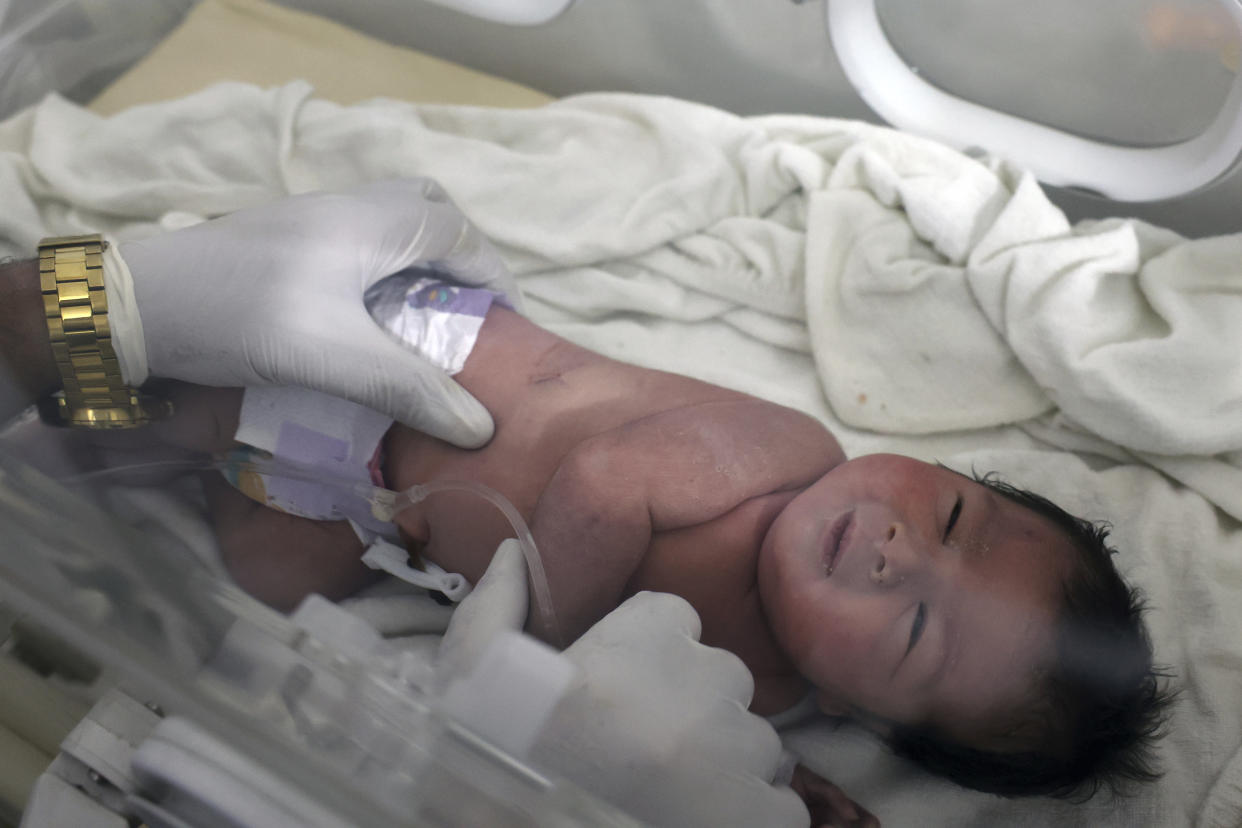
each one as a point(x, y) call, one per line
point(913, 593)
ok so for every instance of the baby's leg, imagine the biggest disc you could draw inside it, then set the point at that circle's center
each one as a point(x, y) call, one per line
point(281, 558)
point(278, 558)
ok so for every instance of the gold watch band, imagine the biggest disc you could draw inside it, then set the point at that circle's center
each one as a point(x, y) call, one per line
point(76, 307)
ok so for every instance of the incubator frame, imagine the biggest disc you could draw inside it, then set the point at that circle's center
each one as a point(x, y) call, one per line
point(1056, 157)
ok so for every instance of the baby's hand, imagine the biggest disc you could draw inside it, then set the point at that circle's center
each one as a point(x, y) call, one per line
point(203, 423)
point(204, 419)
point(828, 804)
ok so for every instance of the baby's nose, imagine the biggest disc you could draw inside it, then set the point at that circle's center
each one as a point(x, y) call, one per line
point(895, 555)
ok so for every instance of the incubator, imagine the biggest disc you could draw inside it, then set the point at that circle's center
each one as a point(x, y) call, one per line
point(212, 709)
point(137, 684)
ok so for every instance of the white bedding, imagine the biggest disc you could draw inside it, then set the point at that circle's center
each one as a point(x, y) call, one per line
point(914, 299)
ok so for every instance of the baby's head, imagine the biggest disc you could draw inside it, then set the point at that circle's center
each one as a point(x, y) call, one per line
point(983, 630)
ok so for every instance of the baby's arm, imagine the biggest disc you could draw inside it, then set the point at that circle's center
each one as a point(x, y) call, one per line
point(276, 557)
point(595, 519)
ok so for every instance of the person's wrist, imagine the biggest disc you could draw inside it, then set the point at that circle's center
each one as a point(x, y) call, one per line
point(25, 346)
point(76, 289)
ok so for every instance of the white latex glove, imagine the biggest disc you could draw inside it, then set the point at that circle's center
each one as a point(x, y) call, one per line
point(273, 295)
point(652, 721)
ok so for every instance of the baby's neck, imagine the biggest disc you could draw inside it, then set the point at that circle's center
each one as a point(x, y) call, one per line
point(778, 694)
point(714, 566)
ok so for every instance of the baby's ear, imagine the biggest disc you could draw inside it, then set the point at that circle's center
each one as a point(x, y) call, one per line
point(830, 706)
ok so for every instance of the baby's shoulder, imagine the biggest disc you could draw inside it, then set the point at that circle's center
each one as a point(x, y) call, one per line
point(788, 433)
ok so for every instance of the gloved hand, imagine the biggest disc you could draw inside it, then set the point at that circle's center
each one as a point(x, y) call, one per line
point(652, 720)
point(273, 295)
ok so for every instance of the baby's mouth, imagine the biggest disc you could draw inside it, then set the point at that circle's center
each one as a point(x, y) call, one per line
point(834, 545)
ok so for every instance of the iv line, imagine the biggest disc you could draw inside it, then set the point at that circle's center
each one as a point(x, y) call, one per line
point(385, 505)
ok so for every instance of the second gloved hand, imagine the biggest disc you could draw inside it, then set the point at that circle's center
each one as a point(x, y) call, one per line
point(658, 723)
point(651, 720)
point(273, 295)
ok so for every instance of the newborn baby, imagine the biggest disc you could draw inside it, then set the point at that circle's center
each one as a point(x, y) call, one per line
point(978, 628)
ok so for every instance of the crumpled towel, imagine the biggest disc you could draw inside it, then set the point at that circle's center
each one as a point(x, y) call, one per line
point(957, 295)
point(942, 293)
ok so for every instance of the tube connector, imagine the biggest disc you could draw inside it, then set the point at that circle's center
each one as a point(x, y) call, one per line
point(393, 503)
point(390, 558)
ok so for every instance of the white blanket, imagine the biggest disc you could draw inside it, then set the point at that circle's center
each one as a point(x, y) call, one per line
point(914, 299)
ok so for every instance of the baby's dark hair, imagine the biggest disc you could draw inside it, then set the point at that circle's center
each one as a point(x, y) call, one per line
point(1100, 705)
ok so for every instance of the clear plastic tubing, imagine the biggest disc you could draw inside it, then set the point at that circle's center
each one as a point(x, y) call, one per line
point(534, 564)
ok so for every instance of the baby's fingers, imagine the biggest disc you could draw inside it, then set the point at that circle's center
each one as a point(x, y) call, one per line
point(829, 806)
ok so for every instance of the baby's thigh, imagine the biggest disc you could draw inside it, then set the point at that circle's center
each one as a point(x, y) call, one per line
point(281, 558)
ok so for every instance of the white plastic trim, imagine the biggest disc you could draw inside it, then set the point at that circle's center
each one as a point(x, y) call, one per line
point(511, 12)
point(905, 100)
point(511, 692)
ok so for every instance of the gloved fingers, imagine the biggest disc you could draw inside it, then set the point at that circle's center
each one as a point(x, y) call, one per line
point(425, 227)
point(654, 611)
point(735, 740)
point(386, 377)
point(498, 602)
point(721, 673)
point(668, 639)
point(449, 243)
point(348, 355)
point(408, 188)
point(474, 261)
point(435, 405)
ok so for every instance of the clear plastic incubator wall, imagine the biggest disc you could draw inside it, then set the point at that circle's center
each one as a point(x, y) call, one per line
point(120, 645)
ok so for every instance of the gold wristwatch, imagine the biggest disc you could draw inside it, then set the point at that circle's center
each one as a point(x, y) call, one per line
point(76, 307)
